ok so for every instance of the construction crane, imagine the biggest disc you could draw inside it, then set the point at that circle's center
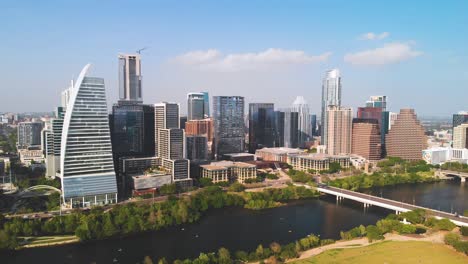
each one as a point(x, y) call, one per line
point(140, 50)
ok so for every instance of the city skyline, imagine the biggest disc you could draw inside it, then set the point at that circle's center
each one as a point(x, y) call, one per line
point(270, 55)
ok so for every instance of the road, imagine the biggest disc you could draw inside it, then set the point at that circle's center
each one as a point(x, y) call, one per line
point(382, 202)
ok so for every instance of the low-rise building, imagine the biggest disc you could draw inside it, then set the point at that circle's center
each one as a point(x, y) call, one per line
point(441, 155)
point(276, 154)
point(223, 171)
point(239, 157)
point(30, 156)
point(317, 162)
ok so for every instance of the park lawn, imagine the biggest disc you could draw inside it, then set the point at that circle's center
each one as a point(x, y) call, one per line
point(391, 252)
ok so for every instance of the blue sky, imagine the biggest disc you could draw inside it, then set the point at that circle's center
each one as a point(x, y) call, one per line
point(267, 51)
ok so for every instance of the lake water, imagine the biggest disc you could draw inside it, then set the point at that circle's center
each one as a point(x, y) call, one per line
point(242, 229)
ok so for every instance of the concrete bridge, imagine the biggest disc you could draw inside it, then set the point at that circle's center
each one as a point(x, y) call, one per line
point(450, 173)
point(398, 207)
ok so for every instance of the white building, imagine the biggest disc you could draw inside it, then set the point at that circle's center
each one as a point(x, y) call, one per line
point(441, 155)
point(86, 164)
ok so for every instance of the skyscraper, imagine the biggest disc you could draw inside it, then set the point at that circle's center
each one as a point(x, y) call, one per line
point(331, 96)
point(406, 139)
point(130, 77)
point(366, 139)
point(197, 147)
point(261, 126)
point(339, 122)
point(166, 116)
point(86, 166)
point(196, 106)
point(228, 116)
point(304, 128)
point(206, 98)
point(379, 101)
point(291, 129)
point(460, 136)
point(460, 118)
point(279, 128)
point(29, 134)
point(170, 143)
point(52, 141)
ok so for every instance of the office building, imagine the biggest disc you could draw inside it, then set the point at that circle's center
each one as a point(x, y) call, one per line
point(196, 106)
point(304, 128)
point(406, 139)
point(339, 122)
point(86, 166)
point(378, 101)
point(317, 162)
point(197, 147)
point(130, 77)
point(331, 96)
point(29, 134)
point(459, 118)
point(279, 129)
point(276, 154)
point(166, 116)
point(206, 98)
point(313, 124)
point(460, 136)
point(224, 171)
point(131, 166)
point(31, 156)
point(261, 126)
point(228, 117)
point(366, 141)
point(52, 137)
point(291, 129)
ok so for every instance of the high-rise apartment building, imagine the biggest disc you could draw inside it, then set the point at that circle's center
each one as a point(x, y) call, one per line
point(304, 128)
point(196, 106)
point(130, 77)
point(228, 116)
point(339, 122)
point(460, 136)
point(261, 126)
point(406, 139)
point(170, 142)
point(166, 116)
point(86, 166)
point(459, 118)
point(366, 139)
point(331, 96)
point(52, 137)
point(29, 134)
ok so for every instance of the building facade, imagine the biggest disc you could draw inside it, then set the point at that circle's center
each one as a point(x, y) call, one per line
point(86, 165)
point(366, 141)
point(223, 171)
point(459, 118)
point(195, 106)
point(304, 127)
point(261, 126)
point(197, 147)
point(130, 77)
point(406, 139)
point(29, 134)
point(460, 136)
point(317, 162)
point(228, 116)
point(276, 154)
point(339, 130)
point(331, 96)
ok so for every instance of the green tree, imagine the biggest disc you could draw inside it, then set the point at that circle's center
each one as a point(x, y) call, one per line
point(236, 187)
point(275, 248)
point(224, 257)
point(259, 251)
point(373, 233)
point(147, 260)
point(162, 261)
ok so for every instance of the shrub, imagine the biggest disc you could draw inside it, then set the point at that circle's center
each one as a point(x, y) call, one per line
point(407, 229)
point(373, 233)
point(464, 230)
point(451, 238)
point(236, 187)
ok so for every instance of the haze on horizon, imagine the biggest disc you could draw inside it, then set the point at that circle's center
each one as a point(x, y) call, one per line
point(267, 51)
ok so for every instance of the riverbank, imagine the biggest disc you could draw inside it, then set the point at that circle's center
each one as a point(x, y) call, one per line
point(395, 252)
point(46, 241)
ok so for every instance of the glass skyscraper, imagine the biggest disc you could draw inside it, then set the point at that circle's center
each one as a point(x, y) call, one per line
point(331, 96)
point(261, 126)
point(304, 128)
point(86, 166)
point(195, 106)
point(228, 115)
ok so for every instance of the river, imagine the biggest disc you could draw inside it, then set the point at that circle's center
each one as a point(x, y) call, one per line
point(242, 229)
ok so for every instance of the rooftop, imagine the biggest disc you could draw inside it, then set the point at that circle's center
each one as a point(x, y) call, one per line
point(280, 150)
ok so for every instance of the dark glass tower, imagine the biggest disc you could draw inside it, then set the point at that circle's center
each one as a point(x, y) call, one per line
point(228, 115)
point(261, 126)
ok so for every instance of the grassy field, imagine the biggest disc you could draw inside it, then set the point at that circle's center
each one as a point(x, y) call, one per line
point(391, 252)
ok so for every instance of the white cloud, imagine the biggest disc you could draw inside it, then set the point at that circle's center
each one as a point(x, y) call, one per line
point(215, 60)
point(388, 54)
point(374, 36)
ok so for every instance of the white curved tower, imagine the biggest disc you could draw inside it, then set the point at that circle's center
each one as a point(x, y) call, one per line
point(331, 96)
point(86, 165)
